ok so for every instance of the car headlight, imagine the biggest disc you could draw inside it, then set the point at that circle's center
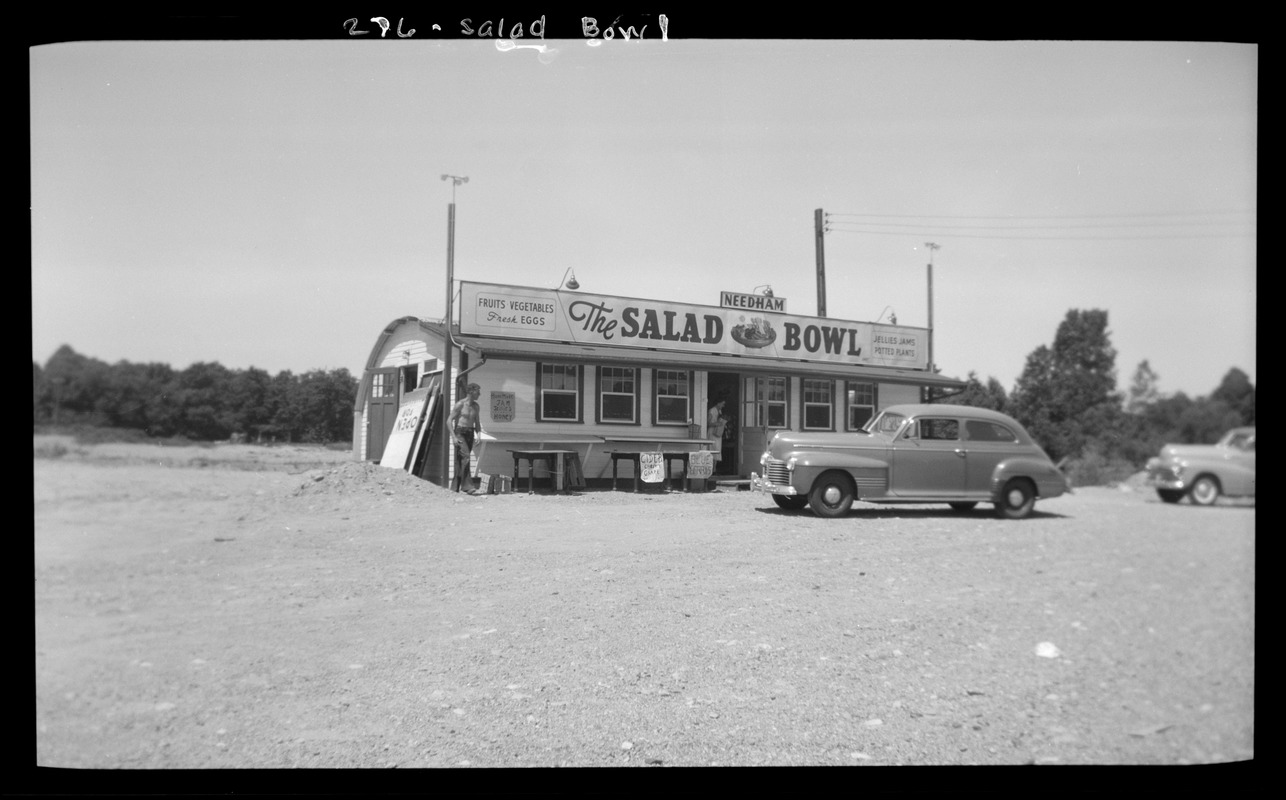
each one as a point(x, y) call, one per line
point(763, 459)
point(790, 464)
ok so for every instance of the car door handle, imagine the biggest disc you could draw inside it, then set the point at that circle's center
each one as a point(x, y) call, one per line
point(960, 452)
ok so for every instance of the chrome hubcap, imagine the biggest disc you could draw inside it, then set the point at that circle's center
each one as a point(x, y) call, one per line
point(831, 495)
point(1015, 498)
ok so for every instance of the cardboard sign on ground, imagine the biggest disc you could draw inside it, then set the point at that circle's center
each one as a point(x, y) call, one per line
point(410, 415)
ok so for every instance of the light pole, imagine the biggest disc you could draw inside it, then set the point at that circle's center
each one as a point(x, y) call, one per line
point(448, 384)
point(931, 247)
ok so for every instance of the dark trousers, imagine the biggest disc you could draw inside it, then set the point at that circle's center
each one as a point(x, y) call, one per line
point(462, 477)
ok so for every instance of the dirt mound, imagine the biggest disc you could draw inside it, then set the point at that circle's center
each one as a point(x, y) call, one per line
point(364, 479)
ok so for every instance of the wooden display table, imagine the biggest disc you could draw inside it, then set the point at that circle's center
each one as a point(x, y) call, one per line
point(563, 465)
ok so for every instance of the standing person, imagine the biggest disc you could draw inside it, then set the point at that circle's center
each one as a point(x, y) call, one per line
point(465, 422)
point(717, 421)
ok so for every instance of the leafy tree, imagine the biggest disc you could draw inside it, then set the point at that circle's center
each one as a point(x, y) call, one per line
point(975, 394)
point(73, 384)
point(1143, 388)
point(1066, 395)
point(37, 391)
point(247, 409)
point(1238, 393)
point(200, 395)
point(326, 401)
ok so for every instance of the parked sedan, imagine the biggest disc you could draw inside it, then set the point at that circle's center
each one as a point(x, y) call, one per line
point(956, 455)
point(1203, 472)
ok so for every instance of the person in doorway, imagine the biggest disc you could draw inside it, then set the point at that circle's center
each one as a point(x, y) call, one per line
point(716, 420)
point(465, 423)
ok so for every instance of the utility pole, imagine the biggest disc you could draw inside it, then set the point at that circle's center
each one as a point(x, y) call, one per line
point(448, 383)
point(932, 247)
point(819, 224)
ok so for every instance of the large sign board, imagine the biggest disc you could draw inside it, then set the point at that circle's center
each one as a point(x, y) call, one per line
point(551, 315)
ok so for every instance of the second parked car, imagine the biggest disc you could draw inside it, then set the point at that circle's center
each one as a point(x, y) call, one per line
point(1203, 472)
point(957, 455)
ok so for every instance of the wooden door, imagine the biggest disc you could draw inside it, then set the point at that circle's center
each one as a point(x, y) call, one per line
point(764, 411)
point(381, 411)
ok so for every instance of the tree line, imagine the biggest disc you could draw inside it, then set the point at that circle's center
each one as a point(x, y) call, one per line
point(205, 402)
point(1067, 399)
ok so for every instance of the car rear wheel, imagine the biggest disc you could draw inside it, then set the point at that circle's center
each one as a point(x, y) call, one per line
point(1204, 491)
point(1170, 495)
point(962, 507)
point(790, 502)
point(832, 495)
point(1017, 499)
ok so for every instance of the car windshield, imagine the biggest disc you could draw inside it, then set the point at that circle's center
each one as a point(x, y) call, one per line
point(886, 422)
point(1242, 440)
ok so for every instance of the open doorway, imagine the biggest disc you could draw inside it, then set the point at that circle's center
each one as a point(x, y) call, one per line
point(726, 386)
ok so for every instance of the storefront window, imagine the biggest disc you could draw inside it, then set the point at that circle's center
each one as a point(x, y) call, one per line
point(560, 392)
point(860, 403)
point(819, 404)
point(618, 394)
point(673, 404)
point(771, 402)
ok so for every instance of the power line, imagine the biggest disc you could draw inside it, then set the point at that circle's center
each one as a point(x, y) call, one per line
point(1049, 216)
point(927, 230)
point(1152, 225)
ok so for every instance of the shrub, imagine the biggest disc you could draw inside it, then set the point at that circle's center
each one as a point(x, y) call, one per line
point(1093, 468)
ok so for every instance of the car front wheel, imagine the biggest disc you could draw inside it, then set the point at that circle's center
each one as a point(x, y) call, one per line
point(1017, 499)
point(790, 502)
point(831, 495)
point(1204, 491)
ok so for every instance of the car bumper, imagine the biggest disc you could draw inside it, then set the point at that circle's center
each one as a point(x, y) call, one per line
point(1162, 482)
point(1165, 477)
point(758, 484)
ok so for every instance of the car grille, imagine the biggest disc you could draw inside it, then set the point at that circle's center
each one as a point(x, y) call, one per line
point(1162, 473)
point(775, 471)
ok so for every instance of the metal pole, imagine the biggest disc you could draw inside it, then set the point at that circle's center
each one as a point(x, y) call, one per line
point(818, 227)
point(448, 385)
point(932, 247)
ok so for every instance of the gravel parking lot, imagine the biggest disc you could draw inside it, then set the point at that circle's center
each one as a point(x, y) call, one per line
point(238, 607)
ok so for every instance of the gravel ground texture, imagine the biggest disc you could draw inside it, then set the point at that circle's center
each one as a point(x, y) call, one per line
point(284, 607)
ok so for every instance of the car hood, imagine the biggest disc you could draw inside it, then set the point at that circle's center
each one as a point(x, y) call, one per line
point(1192, 451)
point(790, 439)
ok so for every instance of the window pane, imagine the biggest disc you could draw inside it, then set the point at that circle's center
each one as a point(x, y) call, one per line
point(618, 407)
point(672, 409)
point(817, 416)
point(942, 429)
point(858, 416)
point(558, 405)
point(776, 416)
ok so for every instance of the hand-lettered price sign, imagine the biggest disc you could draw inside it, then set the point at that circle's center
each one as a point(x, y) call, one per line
point(502, 406)
point(701, 464)
point(652, 467)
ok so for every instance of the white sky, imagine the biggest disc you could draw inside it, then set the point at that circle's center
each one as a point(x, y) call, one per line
point(275, 204)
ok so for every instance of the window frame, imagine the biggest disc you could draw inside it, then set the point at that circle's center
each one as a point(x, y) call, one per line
point(578, 393)
point(690, 377)
point(764, 405)
point(805, 404)
point(849, 386)
point(636, 377)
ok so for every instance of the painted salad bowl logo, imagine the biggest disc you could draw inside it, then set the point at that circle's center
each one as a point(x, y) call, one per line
point(757, 333)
